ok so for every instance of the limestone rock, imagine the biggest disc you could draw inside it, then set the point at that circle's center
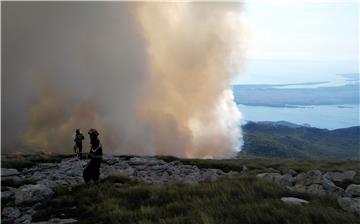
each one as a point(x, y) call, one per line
point(7, 194)
point(316, 189)
point(353, 190)
point(332, 189)
point(340, 176)
point(282, 180)
point(11, 212)
point(309, 178)
point(32, 193)
point(57, 221)
point(294, 201)
point(285, 170)
point(350, 204)
point(110, 159)
point(9, 172)
point(269, 176)
point(25, 219)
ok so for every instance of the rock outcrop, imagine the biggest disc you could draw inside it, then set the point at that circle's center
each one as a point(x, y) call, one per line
point(318, 183)
point(68, 173)
point(32, 193)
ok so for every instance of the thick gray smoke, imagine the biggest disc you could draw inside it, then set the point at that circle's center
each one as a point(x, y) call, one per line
point(68, 65)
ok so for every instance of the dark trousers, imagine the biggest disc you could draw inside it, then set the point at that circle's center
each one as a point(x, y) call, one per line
point(78, 146)
point(92, 171)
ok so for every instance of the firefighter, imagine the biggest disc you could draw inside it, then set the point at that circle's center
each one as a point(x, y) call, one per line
point(78, 138)
point(92, 170)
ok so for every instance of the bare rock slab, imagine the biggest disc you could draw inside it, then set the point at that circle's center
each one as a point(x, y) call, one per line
point(32, 193)
point(353, 190)
point(9, 172)
point(350, 204)
point(11, 213)
point(294, 201)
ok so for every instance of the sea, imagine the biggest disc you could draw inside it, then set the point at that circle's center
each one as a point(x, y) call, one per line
point(319, 116)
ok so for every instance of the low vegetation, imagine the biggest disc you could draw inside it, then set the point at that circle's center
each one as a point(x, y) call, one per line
point(269, 139)
point(256, 165)
point(25, 161)
point(242, 199)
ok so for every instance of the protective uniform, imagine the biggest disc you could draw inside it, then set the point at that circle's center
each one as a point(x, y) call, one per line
point(92, 170)
point(78, 138)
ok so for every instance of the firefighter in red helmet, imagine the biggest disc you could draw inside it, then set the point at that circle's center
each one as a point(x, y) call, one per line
point(92, 170)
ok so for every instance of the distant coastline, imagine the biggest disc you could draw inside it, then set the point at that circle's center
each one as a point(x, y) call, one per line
point(319, 116)
point(274, 95)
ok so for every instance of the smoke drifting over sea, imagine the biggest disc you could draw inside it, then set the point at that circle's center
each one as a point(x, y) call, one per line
point(154, 78)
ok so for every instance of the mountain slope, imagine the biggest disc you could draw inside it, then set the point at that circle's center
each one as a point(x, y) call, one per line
point(280, 140)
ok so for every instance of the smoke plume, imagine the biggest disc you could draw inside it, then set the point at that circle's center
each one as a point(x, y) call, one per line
point(154, 78)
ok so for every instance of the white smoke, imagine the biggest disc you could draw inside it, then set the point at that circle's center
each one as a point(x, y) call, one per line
point(154, 78)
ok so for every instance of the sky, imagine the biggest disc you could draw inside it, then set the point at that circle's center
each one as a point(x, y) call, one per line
point(300, 41)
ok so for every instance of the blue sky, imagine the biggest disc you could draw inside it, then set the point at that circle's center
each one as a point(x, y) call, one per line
point(282, 36)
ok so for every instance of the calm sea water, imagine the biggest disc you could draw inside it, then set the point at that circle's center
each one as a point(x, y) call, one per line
point(327, 116)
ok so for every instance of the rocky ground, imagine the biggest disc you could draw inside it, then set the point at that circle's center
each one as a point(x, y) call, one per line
point(320, 183)
point(68, 173)
point(20, 203)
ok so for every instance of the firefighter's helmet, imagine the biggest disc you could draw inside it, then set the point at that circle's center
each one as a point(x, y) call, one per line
point(93, 132)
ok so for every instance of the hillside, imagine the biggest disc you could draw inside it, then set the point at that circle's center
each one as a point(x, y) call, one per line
point(289, 141)
point(49, 189)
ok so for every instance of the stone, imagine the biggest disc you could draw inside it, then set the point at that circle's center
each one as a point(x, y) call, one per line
point(9, 172)
point(277, 178)
point(30, 211)
point(68, 172)
point(309, 178)
point(46, 165)
point(269, 176)
point(299, 188)
point(294, 201)
point(211, 175)
point(340, 176)
point(38, 175)
point(350, 204)
point(316, 189)
point(175, 163)
point(57, 221)
point(62, 221)
point(332, 189)
point(285, 170)
point(11, 213)
point(32, 193)
point(137, 161)
point(25, 219)
point(244, 168)
point(285, 180)
point(110, 159)
point(353, 190)
point(7, 194)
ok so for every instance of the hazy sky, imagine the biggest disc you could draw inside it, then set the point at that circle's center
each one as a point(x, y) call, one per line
point(284, 35)
point(303, 30)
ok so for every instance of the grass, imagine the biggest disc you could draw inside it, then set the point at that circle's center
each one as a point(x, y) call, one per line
point(239, 199)
point(242, 199)
point(260, 165)
point(25, 161)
